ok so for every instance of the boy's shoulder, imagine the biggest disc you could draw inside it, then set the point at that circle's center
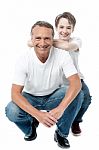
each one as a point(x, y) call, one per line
point(75, 39)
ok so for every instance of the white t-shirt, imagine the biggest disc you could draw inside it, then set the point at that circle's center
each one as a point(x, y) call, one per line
point(75, 54)
point(39, 78)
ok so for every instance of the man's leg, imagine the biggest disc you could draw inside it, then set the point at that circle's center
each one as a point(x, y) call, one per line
point(22, 119)
point(64, 123)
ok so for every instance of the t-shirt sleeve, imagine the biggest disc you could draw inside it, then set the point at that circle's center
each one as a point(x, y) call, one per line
point(68, 66)
point(20, 71)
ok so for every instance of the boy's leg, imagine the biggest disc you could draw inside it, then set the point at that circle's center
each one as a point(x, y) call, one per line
point(76, 130)
point(85, 104)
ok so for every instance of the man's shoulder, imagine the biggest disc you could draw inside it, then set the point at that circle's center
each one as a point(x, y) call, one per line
point(24, 56)
point(28, 52)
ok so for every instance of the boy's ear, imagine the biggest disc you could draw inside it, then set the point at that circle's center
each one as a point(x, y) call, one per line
point(73, 29)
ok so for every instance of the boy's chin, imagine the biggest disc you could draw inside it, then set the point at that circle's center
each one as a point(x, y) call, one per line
point(64, 38)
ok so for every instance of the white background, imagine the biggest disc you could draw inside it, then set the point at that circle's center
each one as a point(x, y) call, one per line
point(16, 19)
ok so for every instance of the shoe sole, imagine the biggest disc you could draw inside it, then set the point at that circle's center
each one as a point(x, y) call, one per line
point(60, 145)
point(78, 134)
point(31, 139)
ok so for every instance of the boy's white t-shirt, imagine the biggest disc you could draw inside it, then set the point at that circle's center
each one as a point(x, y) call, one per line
point(75, 54)
point(39, 78)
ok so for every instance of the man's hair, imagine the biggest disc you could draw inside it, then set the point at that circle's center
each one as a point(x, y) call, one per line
point(43, 24)
point(71, 19)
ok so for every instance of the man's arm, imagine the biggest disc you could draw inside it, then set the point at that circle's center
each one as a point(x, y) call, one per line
point(43, 117)
point(73, 90)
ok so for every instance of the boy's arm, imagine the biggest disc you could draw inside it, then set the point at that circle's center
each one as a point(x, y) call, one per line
point(66, 45)
point(72, 45)
point(30, 43)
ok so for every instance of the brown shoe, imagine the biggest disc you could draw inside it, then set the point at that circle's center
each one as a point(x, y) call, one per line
point(76, 129)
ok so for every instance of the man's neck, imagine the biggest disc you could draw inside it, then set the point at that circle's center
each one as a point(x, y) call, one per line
point(42, 57)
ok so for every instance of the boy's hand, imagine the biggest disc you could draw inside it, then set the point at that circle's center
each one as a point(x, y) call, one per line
point(30, 43)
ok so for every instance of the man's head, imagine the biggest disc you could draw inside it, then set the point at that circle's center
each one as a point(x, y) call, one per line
point(43, 24)
point(65, 24)
point(42, 34)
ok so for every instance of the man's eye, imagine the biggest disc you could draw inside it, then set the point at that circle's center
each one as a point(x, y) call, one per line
point(38, 38)
point(47, 38)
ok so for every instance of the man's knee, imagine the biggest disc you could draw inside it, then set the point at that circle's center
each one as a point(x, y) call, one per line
point(80, 96)
point(12, 111)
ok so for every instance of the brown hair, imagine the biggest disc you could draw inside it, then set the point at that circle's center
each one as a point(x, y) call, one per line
point(43, 24)
point(67, 15)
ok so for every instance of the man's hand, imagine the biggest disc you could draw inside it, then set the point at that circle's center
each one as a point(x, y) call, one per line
point(57, 112)
point(46, 119)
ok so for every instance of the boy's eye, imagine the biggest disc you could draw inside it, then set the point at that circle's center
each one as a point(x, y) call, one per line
point(69, 28)
point(61, 27)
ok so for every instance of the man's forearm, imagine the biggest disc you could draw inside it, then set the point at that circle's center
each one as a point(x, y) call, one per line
point(71, 93)
point(24, 104)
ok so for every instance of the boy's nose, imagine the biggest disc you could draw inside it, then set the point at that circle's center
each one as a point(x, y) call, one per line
point(65, 30)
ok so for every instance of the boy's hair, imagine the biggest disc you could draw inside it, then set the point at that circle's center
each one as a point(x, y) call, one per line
point(43, 24)
point(71, 19)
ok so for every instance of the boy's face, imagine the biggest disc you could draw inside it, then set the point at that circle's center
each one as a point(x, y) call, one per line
point(64, 29)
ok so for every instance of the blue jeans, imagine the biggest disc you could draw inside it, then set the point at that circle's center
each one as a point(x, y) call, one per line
point(85, 104)
point(23, 120)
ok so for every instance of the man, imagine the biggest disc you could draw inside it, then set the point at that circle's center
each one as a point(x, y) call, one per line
point(38, 86)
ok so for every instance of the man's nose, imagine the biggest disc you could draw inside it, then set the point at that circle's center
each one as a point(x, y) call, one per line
point(42, 42)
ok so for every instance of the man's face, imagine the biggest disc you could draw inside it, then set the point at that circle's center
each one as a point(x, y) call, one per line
point(64, 29)
point(42, 40)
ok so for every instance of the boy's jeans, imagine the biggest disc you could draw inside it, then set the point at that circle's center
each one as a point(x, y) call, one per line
point(85, 104)
point(23, 120)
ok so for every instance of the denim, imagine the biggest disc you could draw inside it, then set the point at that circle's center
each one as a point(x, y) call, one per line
point(24, 121)
point(85, 104)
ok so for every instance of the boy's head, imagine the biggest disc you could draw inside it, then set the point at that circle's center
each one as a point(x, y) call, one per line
point(65, 24)
point(67, 15)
